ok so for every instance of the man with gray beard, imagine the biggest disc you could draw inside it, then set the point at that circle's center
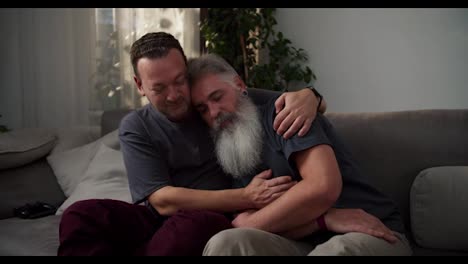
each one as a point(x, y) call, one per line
point(331, 194)
point(239, 146)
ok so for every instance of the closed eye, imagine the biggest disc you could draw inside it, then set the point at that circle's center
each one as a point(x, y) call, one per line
point(181, 80)
point(216, 96)
point(158, 89)
point(201, 109)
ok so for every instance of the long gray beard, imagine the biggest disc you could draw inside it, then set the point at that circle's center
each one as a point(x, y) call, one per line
point(239, 146)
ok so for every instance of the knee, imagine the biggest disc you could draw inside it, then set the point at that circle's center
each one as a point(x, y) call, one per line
point(82, 213)
point(222, 242)
point(206, 220)
point(350, 244)
point(187, 232)
point(82, 207)
point(230, 242)
point(73, 219)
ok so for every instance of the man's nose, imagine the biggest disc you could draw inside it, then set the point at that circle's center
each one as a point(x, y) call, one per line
point(173, 94)
point(214, 112)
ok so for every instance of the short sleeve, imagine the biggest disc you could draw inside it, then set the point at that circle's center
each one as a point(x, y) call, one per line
point(262, 96)
point(147, 169)
point(316, 135)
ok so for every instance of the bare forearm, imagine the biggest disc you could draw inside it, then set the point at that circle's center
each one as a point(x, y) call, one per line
point(311, 197)
point(298, 206)
point(317, 192)
point(169, 200)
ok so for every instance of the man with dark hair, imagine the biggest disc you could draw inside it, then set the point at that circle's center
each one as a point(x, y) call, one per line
point(171, 167)
point(329, 184)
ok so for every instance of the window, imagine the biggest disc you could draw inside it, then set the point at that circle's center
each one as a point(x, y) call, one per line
point(116, 29)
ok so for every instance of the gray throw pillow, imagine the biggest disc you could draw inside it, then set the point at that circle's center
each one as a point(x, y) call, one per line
point(22, 146)
point(439, 208)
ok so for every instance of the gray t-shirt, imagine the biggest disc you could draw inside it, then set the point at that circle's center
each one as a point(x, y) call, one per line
point(158, 152)
point(356, 191)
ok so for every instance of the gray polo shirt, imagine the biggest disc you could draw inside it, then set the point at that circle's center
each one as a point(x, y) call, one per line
point(357, 192)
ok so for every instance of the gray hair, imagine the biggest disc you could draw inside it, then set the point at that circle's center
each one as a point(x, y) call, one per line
point(210, 64)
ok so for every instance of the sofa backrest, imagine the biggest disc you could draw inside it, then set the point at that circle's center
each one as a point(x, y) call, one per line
point(393, 147)
point(110, 120)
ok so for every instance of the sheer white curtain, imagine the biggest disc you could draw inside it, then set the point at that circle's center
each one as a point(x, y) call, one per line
point(46, 58)
point(116, 30)
point(62, 67)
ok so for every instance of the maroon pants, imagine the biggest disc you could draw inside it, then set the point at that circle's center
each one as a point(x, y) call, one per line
point(110, 227)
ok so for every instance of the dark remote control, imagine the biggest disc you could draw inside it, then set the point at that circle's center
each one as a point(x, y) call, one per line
point(35, 210)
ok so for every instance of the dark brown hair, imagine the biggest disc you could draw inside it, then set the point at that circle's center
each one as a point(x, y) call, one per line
point(153, 45)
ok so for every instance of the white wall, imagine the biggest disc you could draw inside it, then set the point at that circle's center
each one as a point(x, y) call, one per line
point(384, 59)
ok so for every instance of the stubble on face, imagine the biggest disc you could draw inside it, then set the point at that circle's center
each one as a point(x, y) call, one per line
point(161, 84)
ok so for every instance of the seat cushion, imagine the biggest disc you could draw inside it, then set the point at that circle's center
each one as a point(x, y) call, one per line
point(439, 208)
point(29, 237)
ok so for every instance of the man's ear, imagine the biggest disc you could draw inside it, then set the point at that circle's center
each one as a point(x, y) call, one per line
point(240, 83)
point(139, 85)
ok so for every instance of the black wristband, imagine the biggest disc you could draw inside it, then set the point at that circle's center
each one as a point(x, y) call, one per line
point(317, 94)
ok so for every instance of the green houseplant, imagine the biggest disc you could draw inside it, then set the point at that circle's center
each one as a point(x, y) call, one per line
point(240, 35)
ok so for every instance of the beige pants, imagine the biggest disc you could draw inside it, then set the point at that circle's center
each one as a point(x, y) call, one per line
point(251, 242)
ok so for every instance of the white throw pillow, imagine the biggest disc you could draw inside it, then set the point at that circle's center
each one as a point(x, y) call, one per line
point(69, 138)
point(22, 146)
point(105, 178)
point(70, 166)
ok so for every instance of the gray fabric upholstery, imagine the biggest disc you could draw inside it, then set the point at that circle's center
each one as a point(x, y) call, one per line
point(111, 119)
point(393, 147)
point(28, 184)
point(439, 208)
point(24, 237)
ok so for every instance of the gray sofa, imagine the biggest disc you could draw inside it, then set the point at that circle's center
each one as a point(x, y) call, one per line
point(393, 148)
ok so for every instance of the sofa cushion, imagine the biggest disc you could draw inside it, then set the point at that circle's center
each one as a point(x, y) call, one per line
point(439, 208)
point(69, 166)
point(29, 237)
point(73, 137)
point(110, 120)
point(22, 146)
point(105, 177)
